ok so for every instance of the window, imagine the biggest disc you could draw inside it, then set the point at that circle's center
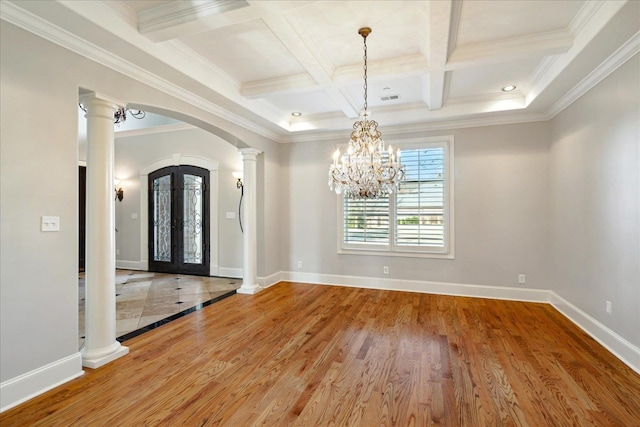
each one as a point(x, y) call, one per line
point(414, 221)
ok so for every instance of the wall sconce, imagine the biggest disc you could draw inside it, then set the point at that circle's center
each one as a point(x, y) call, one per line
point(238, 176)
point(239, 186)
point(119, 191)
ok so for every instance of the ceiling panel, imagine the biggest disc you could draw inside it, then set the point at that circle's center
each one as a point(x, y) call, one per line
point(483, 21)
point(332, 27)
point(381, 92)
point(248, 51)
point(313, 102)
point(490, 79)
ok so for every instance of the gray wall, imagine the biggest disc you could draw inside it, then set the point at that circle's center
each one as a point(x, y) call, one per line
point(594, 201)
point(39, 90)
point(501, 212)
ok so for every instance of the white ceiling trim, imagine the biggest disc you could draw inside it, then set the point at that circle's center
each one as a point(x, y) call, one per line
point(36, 25)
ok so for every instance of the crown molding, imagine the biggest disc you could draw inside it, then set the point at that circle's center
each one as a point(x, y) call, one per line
point(390, 132)
point(589, 21)
point(608, 66)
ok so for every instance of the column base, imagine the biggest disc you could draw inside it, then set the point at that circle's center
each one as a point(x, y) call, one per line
point(96, 361)
point(249, 290)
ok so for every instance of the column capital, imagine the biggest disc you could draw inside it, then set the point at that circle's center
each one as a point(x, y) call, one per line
point(249, 153)
point(95, 98)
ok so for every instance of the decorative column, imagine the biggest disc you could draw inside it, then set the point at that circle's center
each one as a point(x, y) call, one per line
point(100, 345)
point(249, 220)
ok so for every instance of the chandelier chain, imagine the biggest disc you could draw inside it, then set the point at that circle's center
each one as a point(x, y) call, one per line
point(365, 73)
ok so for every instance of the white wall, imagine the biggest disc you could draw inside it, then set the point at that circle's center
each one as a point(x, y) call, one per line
point(594, 202)
point(501, 212)
point(134, 153)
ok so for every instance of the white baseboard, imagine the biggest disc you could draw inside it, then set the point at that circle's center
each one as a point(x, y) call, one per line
point(31, 384)
point(130, 265)
point(618, 346)
point(236, 273)
point(442, 288)
point(271, 279)
point(621, 348)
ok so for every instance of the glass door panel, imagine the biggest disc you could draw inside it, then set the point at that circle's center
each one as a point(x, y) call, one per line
point(162, 218)
point(192, 219)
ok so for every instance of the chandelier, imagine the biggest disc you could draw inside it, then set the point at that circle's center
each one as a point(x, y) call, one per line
point(121, 114)
point(367, 170)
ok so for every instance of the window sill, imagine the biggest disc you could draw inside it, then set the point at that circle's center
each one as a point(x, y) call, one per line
point(386, 253)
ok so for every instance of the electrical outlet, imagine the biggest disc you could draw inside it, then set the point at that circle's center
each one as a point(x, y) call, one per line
point(522, 279)
point(299, 264)
point(608, 308)
point(385, 269)
point(117, 251)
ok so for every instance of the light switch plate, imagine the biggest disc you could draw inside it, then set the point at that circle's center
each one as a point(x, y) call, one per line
point(50, 223)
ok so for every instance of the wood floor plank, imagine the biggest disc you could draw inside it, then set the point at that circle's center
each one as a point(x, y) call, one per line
point(308, 355)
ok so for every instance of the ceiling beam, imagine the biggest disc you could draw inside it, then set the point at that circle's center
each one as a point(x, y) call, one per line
point(182, 18)
point(287, 84)
point(396, 67)
point(496, 51)
point(309, 55)
point(435, 47)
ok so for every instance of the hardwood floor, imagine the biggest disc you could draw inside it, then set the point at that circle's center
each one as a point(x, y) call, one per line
point(309, 355)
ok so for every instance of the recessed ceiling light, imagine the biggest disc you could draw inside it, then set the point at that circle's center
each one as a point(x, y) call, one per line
point(296, 114)
point(508, 88)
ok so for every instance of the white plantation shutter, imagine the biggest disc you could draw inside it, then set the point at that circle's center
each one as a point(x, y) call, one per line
point(420, 200)
point(415, 220)
point(366, 221)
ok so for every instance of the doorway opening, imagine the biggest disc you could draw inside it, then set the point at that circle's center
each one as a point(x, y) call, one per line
point(179, 220)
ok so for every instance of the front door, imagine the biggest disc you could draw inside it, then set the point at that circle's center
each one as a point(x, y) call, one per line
point(179, 220)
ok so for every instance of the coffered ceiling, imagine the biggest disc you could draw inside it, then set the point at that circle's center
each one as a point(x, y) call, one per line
point(431, 63)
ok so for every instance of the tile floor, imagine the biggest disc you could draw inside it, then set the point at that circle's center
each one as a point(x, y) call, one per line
point(144, 298)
